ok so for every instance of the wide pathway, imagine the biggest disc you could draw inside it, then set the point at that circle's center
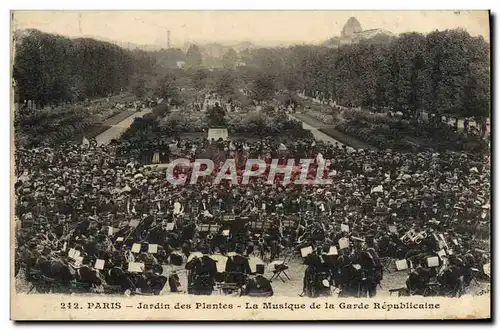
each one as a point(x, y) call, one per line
point(318, 135)
point(115, 131)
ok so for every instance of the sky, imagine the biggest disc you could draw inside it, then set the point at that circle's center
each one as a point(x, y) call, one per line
point(259, 27)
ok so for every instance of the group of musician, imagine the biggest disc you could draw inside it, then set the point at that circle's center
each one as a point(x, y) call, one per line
point(94, 201)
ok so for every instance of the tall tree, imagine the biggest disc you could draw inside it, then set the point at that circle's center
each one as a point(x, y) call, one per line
point(229, 59)
point(199, 78)
point(406, 58)
point(263, 87)
point(138, 86)
point(225, 84)
point(167, 89)
point(193, 56)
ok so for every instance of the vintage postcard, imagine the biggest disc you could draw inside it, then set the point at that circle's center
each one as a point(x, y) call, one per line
point(250, 165)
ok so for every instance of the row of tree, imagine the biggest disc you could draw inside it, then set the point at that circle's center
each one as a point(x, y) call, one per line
point(194, 58)
point(444, 72)
point(51, 69)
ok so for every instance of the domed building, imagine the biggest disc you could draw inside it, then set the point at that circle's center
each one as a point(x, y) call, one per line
point(351, 27)
point(353, 33)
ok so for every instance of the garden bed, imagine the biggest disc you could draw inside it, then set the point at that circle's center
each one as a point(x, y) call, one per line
point(91, 132)
point(113, 120)
point(385, 132)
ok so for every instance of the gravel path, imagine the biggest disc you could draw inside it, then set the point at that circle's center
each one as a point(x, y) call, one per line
point(116, 130)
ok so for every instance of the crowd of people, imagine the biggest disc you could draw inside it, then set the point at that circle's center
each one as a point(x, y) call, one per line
point(94, 217)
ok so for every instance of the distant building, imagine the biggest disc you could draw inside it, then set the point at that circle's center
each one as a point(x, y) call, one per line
point(369, 34)
point(351, 27)
point(181, 64)
point(352, 33)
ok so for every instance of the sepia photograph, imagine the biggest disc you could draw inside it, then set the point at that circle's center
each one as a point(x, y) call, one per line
point(250, 165)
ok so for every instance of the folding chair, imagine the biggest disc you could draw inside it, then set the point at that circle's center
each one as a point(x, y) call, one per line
point(387, 263)
point(400, 291)
point(279, 269)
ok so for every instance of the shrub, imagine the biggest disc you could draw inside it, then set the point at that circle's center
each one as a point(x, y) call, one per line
point(161, 110)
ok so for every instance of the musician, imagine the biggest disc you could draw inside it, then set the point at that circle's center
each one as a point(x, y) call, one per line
point(258, 286)
point(43, 264)
point(419, 279)
point(117, 277)
point(202, 273)
point(345, 278)
point(372, 271)
point(151, 282)
point(316, 273)
point(174, 282)
point(237, 267)
point(89, 276)
point(60, 271)
point(157, 235)
point(370, 242)
point(451, 276)
point(272, 238)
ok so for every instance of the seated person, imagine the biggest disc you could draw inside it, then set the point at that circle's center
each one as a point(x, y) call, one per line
point(60, 271)
point(116, 276)
point(237, 267)
point(258, 286)
point(151, 283)
point(174, 282)
point(89, 276)
point(419, 279)
point(202, 274)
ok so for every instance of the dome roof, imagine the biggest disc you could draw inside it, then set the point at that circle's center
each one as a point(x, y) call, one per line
point(350, 27)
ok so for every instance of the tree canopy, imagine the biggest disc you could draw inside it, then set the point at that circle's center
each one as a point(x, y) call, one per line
point(194, 58)
point(229, 59)
point(51, 69)
point(443, 72)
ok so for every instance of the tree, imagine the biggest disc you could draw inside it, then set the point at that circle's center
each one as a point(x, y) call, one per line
point(476, 101)
point(161, 110)
point(50, 69)
point(168, 58)
point(229, 59)
point(255, 123)
point(199, 79)
point(406, 72)
point(193, 56)
point(225, 84)
point(167, 89)
point(263, 87)
point(138, 87)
